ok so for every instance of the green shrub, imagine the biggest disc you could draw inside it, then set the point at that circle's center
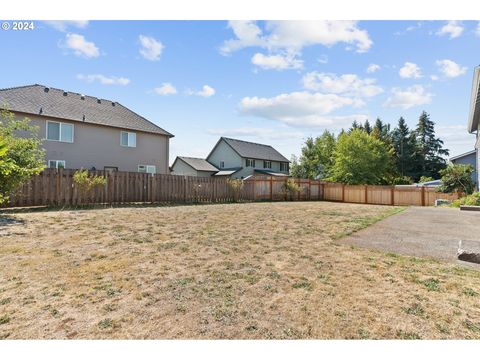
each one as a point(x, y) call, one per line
point(458, 179)
point(235, 186)
point(86, 184)
point(21, 155)
point(424, 179)
point(472, 199)
point(291, 188)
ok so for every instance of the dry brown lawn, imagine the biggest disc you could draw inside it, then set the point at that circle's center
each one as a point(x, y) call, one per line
point(259, 270)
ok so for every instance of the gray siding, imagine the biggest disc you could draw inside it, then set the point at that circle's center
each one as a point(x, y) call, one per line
point(469, 160)
point(223, 152)
point(182, 168)
point(99, 146)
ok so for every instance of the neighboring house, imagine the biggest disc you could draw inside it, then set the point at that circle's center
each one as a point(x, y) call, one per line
point(190, 166)
point(468, 158)
point(474, 116)
point(81, 131)
point(239, 159)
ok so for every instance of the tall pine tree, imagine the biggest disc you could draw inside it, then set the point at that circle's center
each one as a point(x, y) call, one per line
point(429, 152)
point(404, 144)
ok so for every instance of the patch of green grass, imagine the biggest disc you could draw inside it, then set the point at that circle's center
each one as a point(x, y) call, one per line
point(475, 327)
point(105, 324)
point(405, 335)
point(303, 284)
point(5, 301)
point(431, 284)
point(5, 319)
point(442, 328)
point(363, 334)
point(415, 309)
point(469, 292)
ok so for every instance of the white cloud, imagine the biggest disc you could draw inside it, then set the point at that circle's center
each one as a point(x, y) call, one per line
point(412, 96)
point(165, 89)
point(347, 84)
point(294, 35)
point(455, 138)
point(323, 59)
point(450, 69)
point(276, 62)
point(434, 77)
point(452, 28)
point(410, 71)
point(300, 109)
point(206, 91)
point(62, 25)
point(104, 80)
point(80, 46)
point(373, 68)
point(261, 133)
point(150, 49)
point(477, 30)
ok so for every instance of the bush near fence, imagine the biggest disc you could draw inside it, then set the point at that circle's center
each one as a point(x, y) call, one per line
point(56, 188)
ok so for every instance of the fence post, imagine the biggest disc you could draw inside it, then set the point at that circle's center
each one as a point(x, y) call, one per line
point(309, 189)
point(271, 188)
point(300, 186)
point(343, 192)
point(366, 194)
point(254, 196)
point(392, 195)
point(423, 195)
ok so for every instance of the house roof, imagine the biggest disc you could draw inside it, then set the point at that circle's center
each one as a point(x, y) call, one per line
point(50, 102)
point(474, 116)
point(472, 152)
point(197, 163)
point(227, 172)
point(271, 173)
point(247, 149)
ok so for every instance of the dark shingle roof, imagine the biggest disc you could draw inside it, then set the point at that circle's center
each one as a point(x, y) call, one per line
point(252, 150)
point(44, 101)
point(198, 164)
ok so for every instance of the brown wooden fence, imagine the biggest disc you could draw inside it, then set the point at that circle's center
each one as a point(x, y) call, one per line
point(56, 188)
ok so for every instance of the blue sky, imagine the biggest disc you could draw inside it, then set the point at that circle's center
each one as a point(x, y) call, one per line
point(270, 82)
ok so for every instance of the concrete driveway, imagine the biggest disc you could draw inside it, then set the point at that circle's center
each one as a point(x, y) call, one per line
point(423, 232)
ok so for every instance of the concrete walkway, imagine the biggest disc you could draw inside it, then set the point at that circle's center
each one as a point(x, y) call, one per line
point(423, 232)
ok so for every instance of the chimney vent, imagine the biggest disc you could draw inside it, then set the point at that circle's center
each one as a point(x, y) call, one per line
point(41, 110)
point(46, 89)
point(82, 97)
point(83, 117)
point(113, 104)
point(99, 101)
point(65, 93)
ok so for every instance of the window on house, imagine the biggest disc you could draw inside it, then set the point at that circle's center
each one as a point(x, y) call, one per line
point(128, 139)
point(267, 164)
point(222, 164)
point(284, 167)
point(149, 169)
point(57, 131)
point(250, 162)
point(56, 164)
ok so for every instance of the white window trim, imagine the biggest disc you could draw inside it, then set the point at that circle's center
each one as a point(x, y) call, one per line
point(57, 161)
point(59, 131)
point(252, 162)
point(146, 169)
point(265, 163)
point(128, 132)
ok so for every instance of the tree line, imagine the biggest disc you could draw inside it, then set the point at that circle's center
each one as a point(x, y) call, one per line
point(374, 154)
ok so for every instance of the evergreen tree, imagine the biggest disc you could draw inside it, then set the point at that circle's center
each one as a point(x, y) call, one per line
point(367, 127)
point(355, 125)
point(403, 141)
point(429, 153)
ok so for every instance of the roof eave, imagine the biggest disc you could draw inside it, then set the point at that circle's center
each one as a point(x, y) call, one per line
point(473, 118)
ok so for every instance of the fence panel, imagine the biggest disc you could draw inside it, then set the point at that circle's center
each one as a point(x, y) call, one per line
point(56, 187)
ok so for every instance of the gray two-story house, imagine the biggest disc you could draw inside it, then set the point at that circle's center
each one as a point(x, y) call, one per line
point(236, 159)
point(474, 118)
point(239, 159)
point(81, 131)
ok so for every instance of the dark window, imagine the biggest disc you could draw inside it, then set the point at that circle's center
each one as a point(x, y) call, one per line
point(267, 164)
point(222, 164)
point(250, 163)
point(284, 167)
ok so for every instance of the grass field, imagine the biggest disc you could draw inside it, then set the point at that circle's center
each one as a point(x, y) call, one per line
point(259, 270)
